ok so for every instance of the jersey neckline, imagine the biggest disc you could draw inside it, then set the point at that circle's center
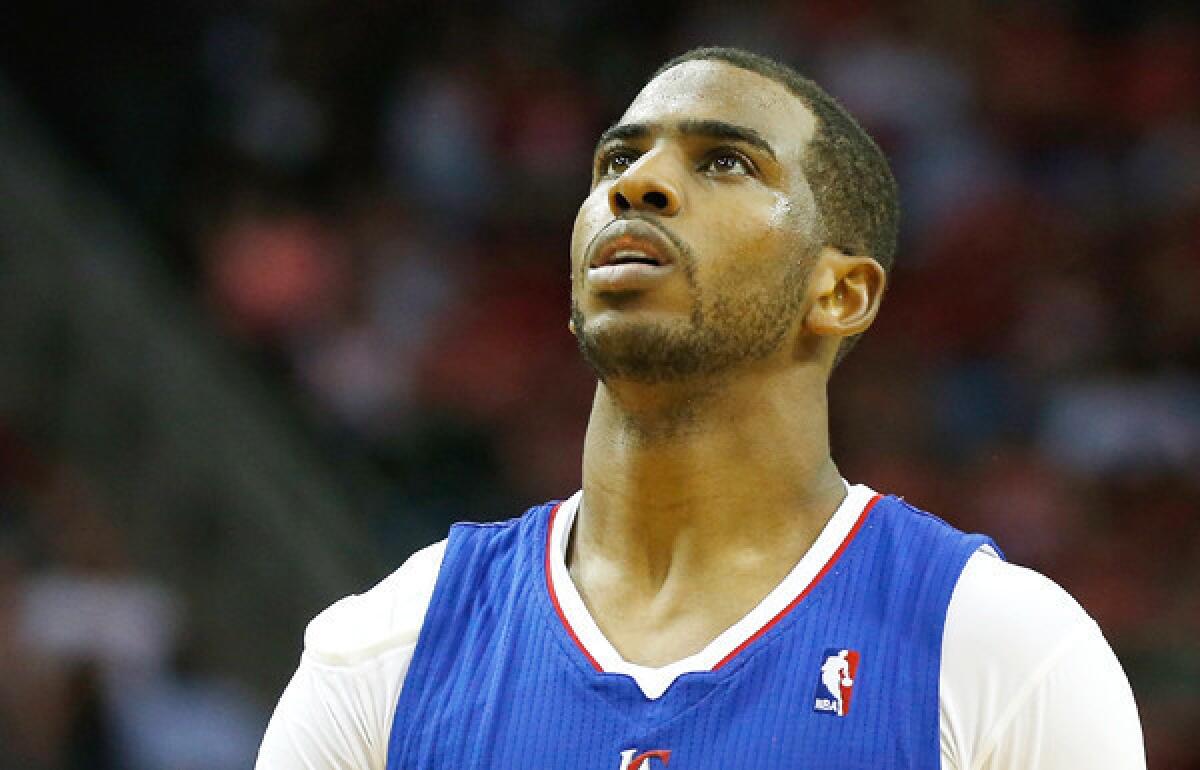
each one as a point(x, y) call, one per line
point(825, 551)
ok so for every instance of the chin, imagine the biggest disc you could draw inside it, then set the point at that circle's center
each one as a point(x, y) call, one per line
point(642, 350)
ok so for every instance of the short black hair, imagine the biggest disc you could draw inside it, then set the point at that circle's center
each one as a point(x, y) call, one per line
point(856, 196)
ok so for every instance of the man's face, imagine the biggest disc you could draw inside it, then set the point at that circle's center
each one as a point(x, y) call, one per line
point(690, 254)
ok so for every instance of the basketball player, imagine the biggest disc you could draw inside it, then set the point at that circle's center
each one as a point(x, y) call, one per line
point(694, 604)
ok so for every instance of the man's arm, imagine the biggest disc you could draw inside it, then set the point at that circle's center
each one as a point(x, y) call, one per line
point(332, 718)
point(1028, 681)
point(337, 711)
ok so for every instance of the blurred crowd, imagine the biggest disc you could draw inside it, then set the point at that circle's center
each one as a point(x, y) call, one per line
point(373, 203)
point(98, 666)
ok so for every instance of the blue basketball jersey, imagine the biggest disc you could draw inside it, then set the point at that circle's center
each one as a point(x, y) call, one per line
point(845, 677)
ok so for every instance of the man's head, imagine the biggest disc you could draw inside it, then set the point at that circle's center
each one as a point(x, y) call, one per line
point(737, 215)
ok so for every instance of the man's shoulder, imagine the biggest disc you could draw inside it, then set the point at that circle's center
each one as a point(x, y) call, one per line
point(1028, 676)
point(903, 513)
point(994, 603)
point(1008, 629)
point(997, 604)
point(366, 626)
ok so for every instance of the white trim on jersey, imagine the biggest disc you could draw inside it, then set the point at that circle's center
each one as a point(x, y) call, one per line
point(655, 681)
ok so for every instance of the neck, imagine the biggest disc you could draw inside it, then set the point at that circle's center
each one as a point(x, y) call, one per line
point(683, 481)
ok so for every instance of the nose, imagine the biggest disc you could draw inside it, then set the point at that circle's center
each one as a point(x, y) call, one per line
point(645, 187)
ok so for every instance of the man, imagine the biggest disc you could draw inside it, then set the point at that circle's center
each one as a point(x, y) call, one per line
point(699, 601)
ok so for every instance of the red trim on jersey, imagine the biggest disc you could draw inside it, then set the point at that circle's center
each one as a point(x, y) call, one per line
point(554, 596)
point(792, 605)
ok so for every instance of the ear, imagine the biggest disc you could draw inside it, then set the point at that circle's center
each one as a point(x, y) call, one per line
point(844, 292)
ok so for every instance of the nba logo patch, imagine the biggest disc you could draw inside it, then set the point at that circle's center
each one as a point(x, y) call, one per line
point(835, 682)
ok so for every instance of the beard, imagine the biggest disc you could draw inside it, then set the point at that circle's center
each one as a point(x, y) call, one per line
point(723, 332)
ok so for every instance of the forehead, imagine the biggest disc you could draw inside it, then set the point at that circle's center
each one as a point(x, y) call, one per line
point(716, 90)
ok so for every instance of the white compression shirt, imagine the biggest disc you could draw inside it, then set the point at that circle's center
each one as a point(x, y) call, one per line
point(1028, 682)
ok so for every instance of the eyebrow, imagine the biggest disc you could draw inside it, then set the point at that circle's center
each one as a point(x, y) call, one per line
point(713, 129)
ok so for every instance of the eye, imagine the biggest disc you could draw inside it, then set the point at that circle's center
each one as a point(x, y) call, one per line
point(727, 163)
point(615, 162)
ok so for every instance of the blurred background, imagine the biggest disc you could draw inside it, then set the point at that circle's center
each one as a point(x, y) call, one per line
point(283, 292)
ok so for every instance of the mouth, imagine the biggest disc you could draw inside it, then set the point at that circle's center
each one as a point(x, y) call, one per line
point(629, 250)
point(632, 242)
point(633, 255)
point(629, 256)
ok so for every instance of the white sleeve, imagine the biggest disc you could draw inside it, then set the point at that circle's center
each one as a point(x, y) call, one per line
point(337, 711)
point(1028, 681)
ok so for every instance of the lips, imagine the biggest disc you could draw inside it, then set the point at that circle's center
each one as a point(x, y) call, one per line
point(631, 254)
point(628, 252)
point(630, 249)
